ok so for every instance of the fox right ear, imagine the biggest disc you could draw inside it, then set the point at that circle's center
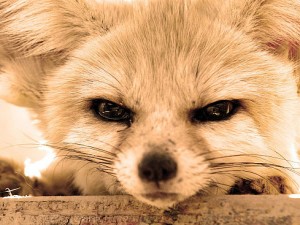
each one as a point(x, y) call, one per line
point(43, 27)
point(38, 36)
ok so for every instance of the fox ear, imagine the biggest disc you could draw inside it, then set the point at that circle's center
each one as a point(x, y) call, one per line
point(278, 27)
point(275, 25)
point(36, 37)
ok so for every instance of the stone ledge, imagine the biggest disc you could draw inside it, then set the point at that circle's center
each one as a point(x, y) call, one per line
point(125, 210)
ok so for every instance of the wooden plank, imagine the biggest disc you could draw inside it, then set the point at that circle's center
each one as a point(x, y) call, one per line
point(125, 210)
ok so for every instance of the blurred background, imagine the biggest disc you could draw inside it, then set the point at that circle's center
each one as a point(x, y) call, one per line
point(19, 138)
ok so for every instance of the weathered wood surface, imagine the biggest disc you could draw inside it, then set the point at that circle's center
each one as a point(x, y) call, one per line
point(124, 210)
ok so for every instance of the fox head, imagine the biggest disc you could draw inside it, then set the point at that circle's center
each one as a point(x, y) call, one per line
point(161, 99)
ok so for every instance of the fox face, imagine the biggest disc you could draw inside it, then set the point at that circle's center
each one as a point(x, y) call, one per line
point(169, 99)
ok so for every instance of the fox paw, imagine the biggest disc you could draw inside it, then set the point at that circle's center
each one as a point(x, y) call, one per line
point(270, 185)
point(13, 181)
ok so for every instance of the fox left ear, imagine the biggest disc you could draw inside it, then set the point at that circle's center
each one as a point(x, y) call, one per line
point(275, 25)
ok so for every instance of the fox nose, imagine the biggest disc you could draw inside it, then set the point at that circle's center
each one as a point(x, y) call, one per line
point(156, 167)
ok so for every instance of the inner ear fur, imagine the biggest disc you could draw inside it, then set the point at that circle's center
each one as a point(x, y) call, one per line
point(41, 27)
point(279, 30)
point(274, 25)
point(39, 36)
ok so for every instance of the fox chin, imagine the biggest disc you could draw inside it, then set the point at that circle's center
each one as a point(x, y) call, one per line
point(159, 99)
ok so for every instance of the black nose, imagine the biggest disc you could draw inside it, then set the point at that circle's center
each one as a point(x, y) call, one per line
point(156, 167)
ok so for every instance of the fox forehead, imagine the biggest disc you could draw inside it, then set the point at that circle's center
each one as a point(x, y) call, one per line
point(171, 57)
point(146, 60)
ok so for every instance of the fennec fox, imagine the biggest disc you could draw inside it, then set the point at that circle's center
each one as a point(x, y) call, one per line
point(160, 99)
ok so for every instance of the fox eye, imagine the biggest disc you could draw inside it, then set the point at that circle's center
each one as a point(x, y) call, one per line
point(111, 111)
point(220, 110)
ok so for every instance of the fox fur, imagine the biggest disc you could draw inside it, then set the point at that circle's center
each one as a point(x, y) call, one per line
point(160, 59)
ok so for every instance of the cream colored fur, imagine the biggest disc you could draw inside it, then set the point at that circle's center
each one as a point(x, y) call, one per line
point(161, 59)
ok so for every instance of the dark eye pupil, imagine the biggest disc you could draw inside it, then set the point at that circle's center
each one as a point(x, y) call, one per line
point(217, 111)
point(220, 109)
point(213, 111)
point(111, 111)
